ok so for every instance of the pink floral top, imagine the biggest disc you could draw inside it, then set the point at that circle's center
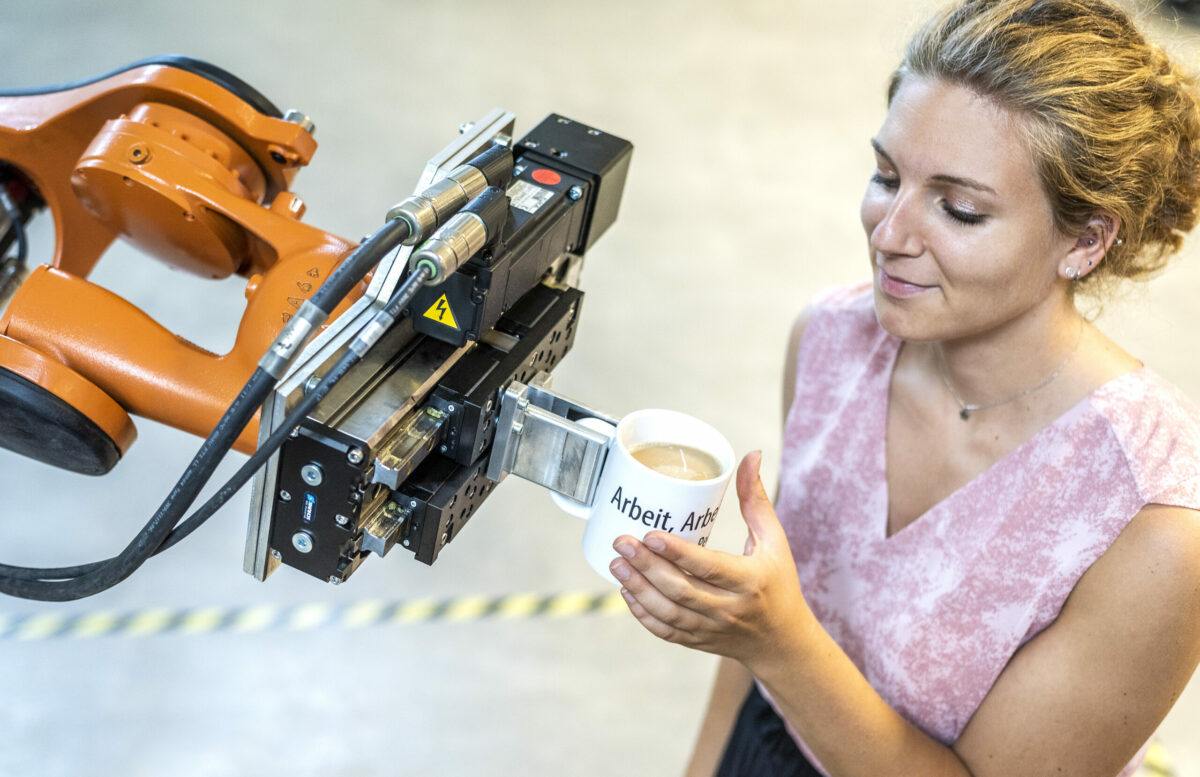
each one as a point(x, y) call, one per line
point(932, 614)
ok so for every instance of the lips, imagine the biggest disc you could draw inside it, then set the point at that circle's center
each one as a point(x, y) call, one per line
point(899, 287)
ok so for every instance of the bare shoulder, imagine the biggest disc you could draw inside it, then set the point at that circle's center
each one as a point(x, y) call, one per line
point(1084, 695)
point(1156, 559)
point(789, 359)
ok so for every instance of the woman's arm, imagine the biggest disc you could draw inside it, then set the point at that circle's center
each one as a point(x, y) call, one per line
point(1078, 699)
point(1088, 691)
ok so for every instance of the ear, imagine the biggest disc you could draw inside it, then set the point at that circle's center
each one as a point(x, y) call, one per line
point(1098, 236)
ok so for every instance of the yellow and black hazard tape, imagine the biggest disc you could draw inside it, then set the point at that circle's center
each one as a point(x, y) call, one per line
point(304, 617)
point(362, 614)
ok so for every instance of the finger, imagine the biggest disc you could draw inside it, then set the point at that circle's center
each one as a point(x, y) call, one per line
point(667, 577)
point(652, 599)
point(653, 624)
point(722, 571)
point(757, 510)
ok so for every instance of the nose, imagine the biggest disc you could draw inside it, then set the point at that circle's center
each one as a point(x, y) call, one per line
point(897, 230)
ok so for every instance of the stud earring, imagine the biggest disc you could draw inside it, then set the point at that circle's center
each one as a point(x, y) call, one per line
point(1071, 272)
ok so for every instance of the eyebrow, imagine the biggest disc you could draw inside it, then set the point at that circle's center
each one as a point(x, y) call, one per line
point(941, 177)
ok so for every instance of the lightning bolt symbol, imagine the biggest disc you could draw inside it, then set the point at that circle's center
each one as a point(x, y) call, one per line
point(441, 312)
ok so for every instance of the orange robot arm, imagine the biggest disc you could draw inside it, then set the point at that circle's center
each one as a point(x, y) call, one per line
point(193, 167)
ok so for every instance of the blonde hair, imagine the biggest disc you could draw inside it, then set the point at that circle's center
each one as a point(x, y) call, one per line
point(1113, 123)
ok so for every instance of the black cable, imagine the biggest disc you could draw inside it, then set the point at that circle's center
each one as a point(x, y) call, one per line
point(403, 295)
point(399, 300)
point(350, 272)
point(84, 580)
point(18, 226)
point(116, 569)
point(38, 582)
point(217, 500)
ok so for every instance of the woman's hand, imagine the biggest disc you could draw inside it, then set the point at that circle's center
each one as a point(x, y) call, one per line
point(747, 607)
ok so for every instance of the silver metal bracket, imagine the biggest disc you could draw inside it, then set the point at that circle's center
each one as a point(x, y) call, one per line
point(539, 438)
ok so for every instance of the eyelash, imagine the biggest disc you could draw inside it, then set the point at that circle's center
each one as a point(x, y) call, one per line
point(962, 217)
point(887, 183)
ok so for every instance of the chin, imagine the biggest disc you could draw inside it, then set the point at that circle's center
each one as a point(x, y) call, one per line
point(907, 319)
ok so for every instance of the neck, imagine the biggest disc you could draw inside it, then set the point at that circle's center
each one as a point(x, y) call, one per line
point(1018, 356)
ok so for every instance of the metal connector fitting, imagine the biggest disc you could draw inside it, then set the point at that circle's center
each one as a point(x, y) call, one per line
point(424, 212)
point(295, 334)
point(370, 334)
point(451, 246)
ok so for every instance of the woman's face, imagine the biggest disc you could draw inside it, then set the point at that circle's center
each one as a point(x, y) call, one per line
point(961, 235)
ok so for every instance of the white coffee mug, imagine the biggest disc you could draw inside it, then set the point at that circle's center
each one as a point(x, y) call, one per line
point(631, 498)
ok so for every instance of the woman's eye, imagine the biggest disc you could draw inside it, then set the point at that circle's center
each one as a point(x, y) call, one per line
point(962, 216)
point(885, 181)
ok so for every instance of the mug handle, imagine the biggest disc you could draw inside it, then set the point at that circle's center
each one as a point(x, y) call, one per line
point(570, 506)
point(565, 503)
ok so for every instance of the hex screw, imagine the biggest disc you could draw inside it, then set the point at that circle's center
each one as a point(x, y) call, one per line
point(301, 118)
point(312, 474)
point(355, 456)
point(575, 192)
point(285, 496)
point(341, 519)
point(311, 384)
point(276, 554)
point(335, 580)
point(302, 541)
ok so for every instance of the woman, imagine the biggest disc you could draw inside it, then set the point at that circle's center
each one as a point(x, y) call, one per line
point(987, 553)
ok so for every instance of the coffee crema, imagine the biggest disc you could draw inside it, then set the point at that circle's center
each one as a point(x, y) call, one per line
point(676, 461)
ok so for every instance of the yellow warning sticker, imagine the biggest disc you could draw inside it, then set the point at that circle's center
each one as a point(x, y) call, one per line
point(440, 312)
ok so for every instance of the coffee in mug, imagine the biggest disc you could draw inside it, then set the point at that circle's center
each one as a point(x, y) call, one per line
point(678, 461)
point(644, 486)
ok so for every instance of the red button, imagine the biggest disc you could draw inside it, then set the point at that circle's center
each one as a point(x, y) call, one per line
point(547, 177)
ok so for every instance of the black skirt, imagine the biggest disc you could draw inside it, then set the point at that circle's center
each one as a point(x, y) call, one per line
point(760, 746)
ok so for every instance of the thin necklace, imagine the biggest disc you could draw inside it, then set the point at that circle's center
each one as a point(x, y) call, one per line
point(966, 409)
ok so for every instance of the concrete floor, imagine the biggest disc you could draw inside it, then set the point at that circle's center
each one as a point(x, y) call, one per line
point(750, 125)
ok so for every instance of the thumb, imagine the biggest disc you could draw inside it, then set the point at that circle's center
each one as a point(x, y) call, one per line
point(757, 510)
